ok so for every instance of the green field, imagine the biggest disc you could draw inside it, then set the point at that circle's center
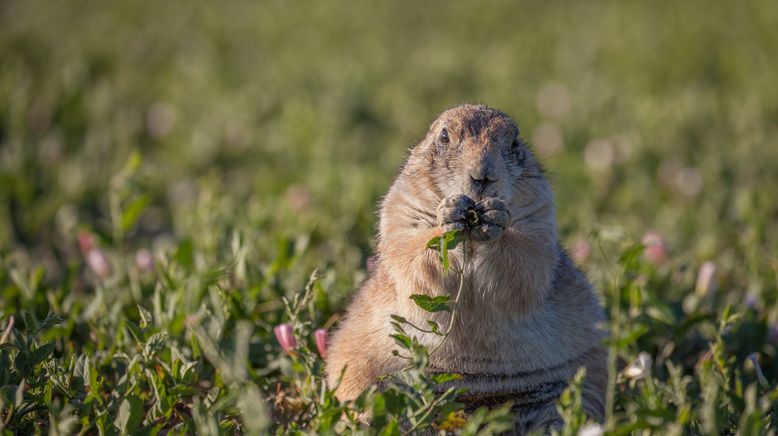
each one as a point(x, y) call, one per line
point(209, 158)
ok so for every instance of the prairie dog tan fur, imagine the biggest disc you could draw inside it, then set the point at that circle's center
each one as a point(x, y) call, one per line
point(527, 318)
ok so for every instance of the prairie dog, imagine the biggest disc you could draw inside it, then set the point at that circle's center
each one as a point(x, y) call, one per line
point(527, 317)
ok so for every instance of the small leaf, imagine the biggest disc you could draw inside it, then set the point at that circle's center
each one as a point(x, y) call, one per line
point(133, 211)
point(145, 317)
point(129, 416)
point(378, 411)
point(19, 397)
point(630, 257)
point(134, 331)
point(399, 319)
point(133, 162)
point(629, 336)
point(454, 421)
point(445, 377)
point(452, 239)
point(184, 254)
point(391, 429)
point(155, 344)
point(443, 243)
point(432, 304)
point(402, 340)
point(41, 353)
point(251, 406)
point(52, 319)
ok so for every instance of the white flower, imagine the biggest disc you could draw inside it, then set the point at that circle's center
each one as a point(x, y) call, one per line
point(591, 429)
point(640, 368)
point(706, 279)
point(98, 261)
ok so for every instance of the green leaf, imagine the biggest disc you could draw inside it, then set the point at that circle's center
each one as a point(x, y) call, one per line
point(52, 319)
point(129, 415)
point(251, 406)
point(133, 163)
point(134, 330)
point(378, 411)
point(630, 257)
point(184, 254)
point(155, 344)
point(399, 319)
point(629, 336)
point(432, 304)
point(445, 377)
point(391, 429)
point(146, 318)
point(19, 397)
point(402, 340)
point(41, 353)
point(133, 211)
point(447, 241)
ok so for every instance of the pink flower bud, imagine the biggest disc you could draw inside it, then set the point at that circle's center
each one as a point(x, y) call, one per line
point(581, 250)
point(86, 242)
point(144, 260)
point(656, 249)
point(320, 335)
point(706, 279)
point(98, 262)
point(285, 337)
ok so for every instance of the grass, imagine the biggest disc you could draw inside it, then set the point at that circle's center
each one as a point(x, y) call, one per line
point(171, 176)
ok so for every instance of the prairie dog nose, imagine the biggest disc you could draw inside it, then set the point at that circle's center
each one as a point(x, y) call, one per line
point(482, 173)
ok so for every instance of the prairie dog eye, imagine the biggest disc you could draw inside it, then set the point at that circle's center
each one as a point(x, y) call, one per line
point(443, 138)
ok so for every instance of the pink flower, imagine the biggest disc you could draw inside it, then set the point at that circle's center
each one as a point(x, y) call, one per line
point(706, 279)
point(86, 241)
point(581, 250)
point(656, 249)
point(98, 262)
point(144, 260)
point(320, 335)
point(285, 337)
point(95, 258)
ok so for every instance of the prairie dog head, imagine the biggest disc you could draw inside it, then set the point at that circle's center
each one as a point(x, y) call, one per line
point(477, 151)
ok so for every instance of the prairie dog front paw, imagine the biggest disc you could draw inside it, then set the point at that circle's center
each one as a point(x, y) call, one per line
point(452, 212)
point(494, 217)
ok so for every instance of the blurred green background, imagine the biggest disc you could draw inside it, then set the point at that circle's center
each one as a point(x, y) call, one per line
point(265, 133)
point(290, 119)
point(301, 113)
